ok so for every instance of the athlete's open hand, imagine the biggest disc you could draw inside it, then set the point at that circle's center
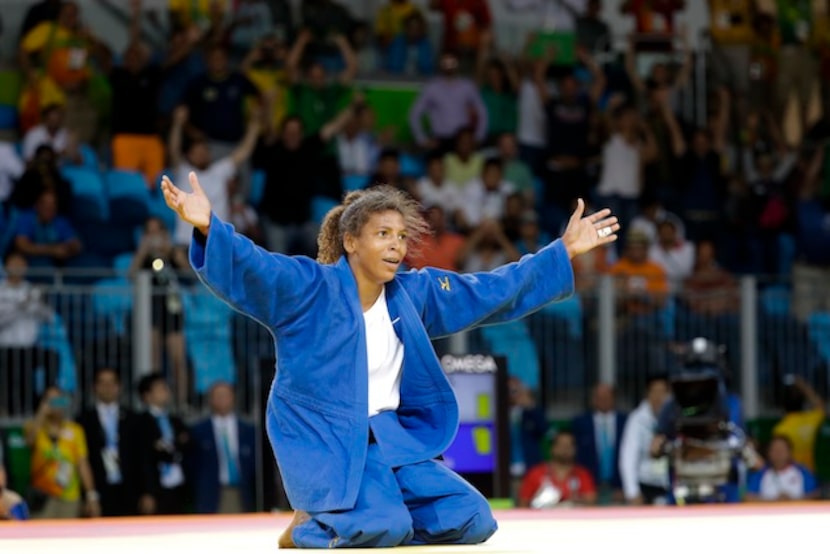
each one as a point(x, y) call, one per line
point(586, 233)
point(193, 207)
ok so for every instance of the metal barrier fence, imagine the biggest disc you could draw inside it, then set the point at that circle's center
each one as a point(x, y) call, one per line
point(561, 351)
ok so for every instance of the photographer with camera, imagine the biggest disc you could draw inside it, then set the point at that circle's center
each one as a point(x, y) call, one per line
point(157, 253)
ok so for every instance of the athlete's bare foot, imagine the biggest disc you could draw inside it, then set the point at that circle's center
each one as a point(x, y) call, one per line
point(286, 540)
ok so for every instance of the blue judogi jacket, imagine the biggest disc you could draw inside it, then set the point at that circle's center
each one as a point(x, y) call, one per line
point(317, 414)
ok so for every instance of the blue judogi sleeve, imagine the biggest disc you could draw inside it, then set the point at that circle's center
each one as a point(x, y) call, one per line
point(450, 302)
point(271, 288)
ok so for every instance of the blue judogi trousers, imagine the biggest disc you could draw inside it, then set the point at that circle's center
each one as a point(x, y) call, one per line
point(423, 503)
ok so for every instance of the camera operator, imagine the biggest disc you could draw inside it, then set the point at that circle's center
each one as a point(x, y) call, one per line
point(717, 414)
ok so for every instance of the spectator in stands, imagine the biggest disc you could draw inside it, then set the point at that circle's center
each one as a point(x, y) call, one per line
point(731, 29)
point(442, 248)
point(316, 98)
point(391, 20)
point(598, 433)
point(410, 52)
point(358, 150)
point(156, 252)
point(11, 169)
point(702, 191)
point(12, 505)
point(41, 12)
point(294, 165)
point(569, 117)
point(367, 57)
point(161, 441)
point(22, 312)
point(797, 69)
point(642, 283)
point(559, 482)
point(251, 21)
point(662, 175)
point(463, 163)
point(630, 147)
point(782, 479)
point(486, 248)
point(498, 85)
point(485, 197)
point(464, 23)
point(217, 102)
point(108, 427)
point(531, 237)
point(326, 20)
point(653, 17)
point(673, 253)
point(652, 213)
point(184, 13)
point(645, 479)
point(516, 171)
point(51, 132)
point(136, 145)
point(183, 62)
point(223, 452)
point(592, 33)
point(216, 172)
point(60, 467)
point(434, 189)
point(450, 103)
point(63, 52)
point(42, 175)
point(388, 171)
point(528, 427)
point(46, 238)
point(265, 67)
point(799, 424)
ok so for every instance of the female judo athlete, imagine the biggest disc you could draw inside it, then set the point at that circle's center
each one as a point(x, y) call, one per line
point(360, 408)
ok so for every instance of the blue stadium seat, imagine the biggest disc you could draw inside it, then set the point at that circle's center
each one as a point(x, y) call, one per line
point(126, 184)
point(513, 341)
point(8, 118)
point(354, 182)
point(53, 336)
point(89, 196)
point(207, 330)
point(411, 166)
point(320, 206)
point(121, 263)
point(819, 329)
point(569, 310)
point(775, 300)
point(786, 254)
point(8, 222)
point(257, 187)
point(89, 157)
point(112, 299)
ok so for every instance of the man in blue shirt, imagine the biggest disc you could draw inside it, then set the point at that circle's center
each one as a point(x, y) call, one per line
point(44, 237)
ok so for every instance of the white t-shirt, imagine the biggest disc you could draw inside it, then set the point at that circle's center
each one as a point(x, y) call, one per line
point(385, 358)
point(531, 127)
point(38, 135)
point(214, 181)
point(620, 168)
point(678, 261)
point(11, 168)
point(792, 481)
point(481, 204)
point(446, 195)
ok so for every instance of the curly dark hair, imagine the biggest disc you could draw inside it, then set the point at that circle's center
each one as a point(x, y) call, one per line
point(355, 211)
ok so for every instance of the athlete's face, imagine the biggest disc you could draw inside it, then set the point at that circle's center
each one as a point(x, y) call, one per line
point(376, 253)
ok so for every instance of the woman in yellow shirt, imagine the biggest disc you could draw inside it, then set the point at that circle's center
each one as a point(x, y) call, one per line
point(59, 461)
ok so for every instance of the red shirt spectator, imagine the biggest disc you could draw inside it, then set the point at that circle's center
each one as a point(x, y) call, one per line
point(464, 21)
point(560, 480)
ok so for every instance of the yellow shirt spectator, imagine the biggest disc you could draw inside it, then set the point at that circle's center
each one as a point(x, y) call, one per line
point(55, 463)
point(391, 16)
point(801, 429)
point(194, 12)
point(271, 83)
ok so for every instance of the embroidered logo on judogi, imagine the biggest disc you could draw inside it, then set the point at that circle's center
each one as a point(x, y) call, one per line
point(445, 283)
